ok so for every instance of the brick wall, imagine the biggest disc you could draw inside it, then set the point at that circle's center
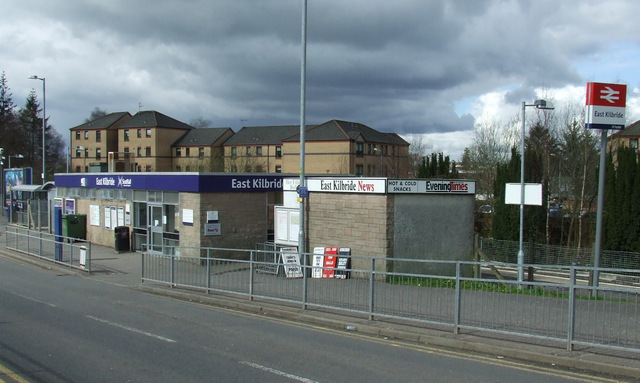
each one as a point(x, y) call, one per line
point(362, 222)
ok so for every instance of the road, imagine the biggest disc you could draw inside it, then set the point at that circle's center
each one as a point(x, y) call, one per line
point(59, 327)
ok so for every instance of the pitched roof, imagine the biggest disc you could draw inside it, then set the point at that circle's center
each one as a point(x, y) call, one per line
point(632, 130)
point(201, 137)
point(105, 122)
point(265, 135)
point(152, 119)
point(338, 130)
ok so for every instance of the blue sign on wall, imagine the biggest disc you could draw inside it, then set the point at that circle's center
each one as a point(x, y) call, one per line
point(197, 183)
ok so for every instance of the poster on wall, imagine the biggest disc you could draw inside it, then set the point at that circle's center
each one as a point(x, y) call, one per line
point(15, 177)
point(120, 216)
point(69, 206)
point(94, 215)
point(114, 217)
point(187, 217)
point(107, 217)
point(127, 214)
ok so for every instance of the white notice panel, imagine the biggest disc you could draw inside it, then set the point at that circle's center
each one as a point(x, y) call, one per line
point(532, 194)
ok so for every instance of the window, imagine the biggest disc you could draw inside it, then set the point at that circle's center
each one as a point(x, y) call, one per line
point(147, 151)
point(359, 170)
point(126, 149)
point(148, 132)
point(139, 133)
point(259, 151)
point(234, 152)
point(78, 169)
point(86, 134)
point(147, 168)
point(139, 152)
point(633, 144)
point(178, 152)
point(98, 136)
point(248, 151)
point(187, 152)
point(98, 153)
point(259, 169)
point(359, 148)
point(368, 148)
point(187, 168)
point(178, 168)
point(278, 169)
point(126, 135)
point(86, 153)
point(200, 152)
point(77, 135)
point(77, 153)
point(278, 151)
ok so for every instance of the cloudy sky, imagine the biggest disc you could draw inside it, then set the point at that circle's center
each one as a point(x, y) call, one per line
point(428, 67)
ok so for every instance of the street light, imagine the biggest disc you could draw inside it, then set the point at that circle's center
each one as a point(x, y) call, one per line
point(14, 156)
point(379, 150)
point(44, 120)
point(539, 104)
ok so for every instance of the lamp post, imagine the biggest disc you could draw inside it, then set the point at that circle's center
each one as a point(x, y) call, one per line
point(14, 156)
point(539, 104)
point(44, 120)
point(379, 150)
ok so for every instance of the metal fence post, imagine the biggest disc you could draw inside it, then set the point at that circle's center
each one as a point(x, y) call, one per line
point(371, 286)
point(142, 270)
point(458, 298)
point(304, 281)
point(208, 271)
point(251, 272)
point(171, 270)
point(572, 308)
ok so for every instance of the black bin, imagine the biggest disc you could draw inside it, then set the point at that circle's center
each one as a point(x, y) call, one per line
point(122, 238)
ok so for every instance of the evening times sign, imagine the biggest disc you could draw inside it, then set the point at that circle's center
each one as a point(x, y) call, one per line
point(431, 186)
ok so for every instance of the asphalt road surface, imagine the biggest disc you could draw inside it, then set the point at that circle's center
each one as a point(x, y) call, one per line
point(59, 327)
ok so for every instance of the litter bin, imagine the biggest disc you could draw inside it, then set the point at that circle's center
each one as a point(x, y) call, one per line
point(74, 226)
point(122, 238)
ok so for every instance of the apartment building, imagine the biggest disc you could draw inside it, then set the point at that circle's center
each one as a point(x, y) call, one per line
point(344, 147)
point(257, 149)
point(627, 137)
point(200, 150)
point(150, 141)
point(91, 141)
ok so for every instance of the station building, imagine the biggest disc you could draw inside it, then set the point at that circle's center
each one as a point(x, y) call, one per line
point(374, 217)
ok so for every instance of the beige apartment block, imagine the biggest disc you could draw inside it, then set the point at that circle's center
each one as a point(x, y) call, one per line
point(343, 147)
point(92, 141)
point(200, 150)
point(627, 137)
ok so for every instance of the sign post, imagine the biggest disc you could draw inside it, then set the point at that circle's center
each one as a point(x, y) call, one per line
point(605, 110)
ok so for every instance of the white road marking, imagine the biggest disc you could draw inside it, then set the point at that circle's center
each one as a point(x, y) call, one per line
point(135, 330)
point(278, 372)
point(34, 300)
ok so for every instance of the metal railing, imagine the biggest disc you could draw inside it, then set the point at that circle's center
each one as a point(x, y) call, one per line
point(55, 248)
point(506, 251)
point(558, 306)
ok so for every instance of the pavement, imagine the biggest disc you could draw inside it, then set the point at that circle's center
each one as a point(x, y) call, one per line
point(124, 270)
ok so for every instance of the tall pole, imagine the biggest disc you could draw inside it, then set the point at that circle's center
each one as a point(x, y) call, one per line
point(44, 127)
point(303, 91)
point(520, 243)
point(601, 179)
point(44, 121)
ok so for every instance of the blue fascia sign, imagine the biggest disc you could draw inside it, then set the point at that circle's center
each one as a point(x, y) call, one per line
point(196, 183)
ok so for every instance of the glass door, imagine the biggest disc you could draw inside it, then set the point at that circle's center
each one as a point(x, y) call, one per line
point(155, 229)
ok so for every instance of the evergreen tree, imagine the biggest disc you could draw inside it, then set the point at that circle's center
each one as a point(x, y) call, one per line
point(506, 219)
point(7, 117)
